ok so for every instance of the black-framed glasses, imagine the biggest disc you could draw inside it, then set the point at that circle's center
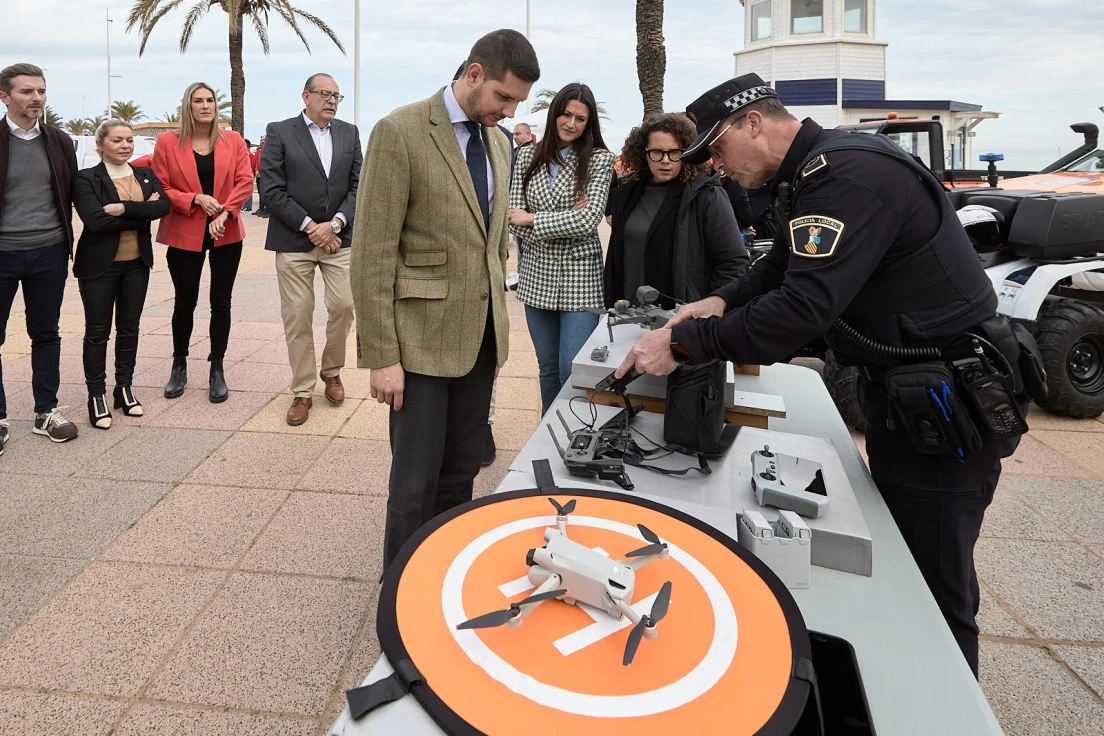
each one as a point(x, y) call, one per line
point(656, 154)
point(713, 153)
point(325, 94)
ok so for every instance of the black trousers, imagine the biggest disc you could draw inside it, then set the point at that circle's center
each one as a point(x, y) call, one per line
point(122, 290)
point(42, 273)
point(185, 267)
point(938, 504)
point(436, 446)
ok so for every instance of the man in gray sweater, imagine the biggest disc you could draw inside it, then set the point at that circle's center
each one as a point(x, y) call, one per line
point(37, 165)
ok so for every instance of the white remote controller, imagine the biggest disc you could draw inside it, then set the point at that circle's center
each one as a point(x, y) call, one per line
point(788, 482)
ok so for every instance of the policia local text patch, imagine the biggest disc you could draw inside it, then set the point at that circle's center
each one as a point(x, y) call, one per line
point(814, 236)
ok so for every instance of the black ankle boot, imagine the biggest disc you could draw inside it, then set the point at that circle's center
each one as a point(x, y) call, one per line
point(217, 391)
point(99, 416)
point(124, 399)
point(178, 379)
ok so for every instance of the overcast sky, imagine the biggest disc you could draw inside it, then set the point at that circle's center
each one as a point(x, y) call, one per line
point(1035, 61)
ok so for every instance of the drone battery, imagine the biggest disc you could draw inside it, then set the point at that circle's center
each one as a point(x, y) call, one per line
point(788, 482)
point(784, 545)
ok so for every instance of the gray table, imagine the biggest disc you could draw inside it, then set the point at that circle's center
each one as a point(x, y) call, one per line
point(916, 679)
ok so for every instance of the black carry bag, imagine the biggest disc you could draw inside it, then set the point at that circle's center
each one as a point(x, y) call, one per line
point(694, 420)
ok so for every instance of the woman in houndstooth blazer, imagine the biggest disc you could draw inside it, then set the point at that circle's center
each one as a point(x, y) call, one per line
point(557, 198)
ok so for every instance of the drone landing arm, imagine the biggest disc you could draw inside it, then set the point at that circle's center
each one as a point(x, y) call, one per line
point(628, 611)
point(552, 582)
point(561, 524)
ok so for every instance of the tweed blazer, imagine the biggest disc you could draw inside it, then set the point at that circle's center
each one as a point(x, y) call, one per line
point(424, 265)
point(563, 254)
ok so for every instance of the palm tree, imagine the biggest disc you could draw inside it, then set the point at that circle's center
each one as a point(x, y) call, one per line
point(128, 111)
point(52, 118)
point(145, 14)
point(79, 126)
point(651, 56)
point(94, 123)
point(544, 101)
point(171, 117)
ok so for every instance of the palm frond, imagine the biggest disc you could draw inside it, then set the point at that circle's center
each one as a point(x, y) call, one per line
point(198, 11)
point(320, 24)
point(261, 27)
point(285, 10)
point(150, 22)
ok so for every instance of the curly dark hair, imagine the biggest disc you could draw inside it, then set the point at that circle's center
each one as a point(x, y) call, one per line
point(679, 126)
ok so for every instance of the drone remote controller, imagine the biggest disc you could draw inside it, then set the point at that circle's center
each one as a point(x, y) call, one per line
point(788, 482)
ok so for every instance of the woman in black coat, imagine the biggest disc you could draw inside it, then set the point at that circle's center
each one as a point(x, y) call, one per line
point(672, 225)
point(116, 203)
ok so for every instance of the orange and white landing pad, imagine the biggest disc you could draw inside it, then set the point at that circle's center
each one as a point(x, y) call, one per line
point(723, 660)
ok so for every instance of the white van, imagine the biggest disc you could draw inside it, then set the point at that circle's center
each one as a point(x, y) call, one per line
point(85, 146)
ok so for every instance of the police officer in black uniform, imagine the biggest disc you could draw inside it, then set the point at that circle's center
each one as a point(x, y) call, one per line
point(868, 235)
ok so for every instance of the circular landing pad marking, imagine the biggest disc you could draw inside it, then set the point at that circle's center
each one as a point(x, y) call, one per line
point(723, 654)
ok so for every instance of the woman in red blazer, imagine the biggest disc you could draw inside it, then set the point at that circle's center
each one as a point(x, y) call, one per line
point(207, 176)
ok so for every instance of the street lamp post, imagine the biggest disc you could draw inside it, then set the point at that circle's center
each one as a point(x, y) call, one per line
point(356, 63)
point(107, 15)
point(527, 39)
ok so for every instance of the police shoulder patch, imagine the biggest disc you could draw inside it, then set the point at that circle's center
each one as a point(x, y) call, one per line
point(817, 163)
point(815, 236)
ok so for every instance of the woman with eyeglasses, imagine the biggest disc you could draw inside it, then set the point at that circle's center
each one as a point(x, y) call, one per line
point(557, 198)
point(673, 227)
point(207, 176)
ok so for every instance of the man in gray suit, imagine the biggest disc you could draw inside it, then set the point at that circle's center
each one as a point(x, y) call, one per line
point(309, 175)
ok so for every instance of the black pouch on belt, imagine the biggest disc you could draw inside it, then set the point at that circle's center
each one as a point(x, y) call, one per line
point(1019, 348)
point(694, 419)
point(924, 403)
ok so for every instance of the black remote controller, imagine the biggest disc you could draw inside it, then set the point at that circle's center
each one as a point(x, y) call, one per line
point(615, 384)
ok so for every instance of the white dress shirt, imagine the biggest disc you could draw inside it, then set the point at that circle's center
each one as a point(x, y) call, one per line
point(458, 117)
point(323, 143)
point(27, 135)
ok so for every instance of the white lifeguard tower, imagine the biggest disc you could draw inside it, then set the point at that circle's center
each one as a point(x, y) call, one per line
point(825, 62)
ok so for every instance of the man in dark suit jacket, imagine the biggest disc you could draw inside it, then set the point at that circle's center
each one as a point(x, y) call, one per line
point(37, 166)
point(309, 175)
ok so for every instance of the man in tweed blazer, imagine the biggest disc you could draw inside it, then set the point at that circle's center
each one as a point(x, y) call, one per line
point(428, 268)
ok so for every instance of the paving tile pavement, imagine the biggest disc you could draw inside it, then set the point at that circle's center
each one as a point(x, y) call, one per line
point(150, 719)
point(107, 630)
point(205, 569)
point(272, 643)
point(1034, 695)
point(25, 713)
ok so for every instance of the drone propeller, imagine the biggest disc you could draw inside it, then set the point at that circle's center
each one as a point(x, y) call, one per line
point(654, 548)
point(564, 510)
point(659, 610)
point(497, 618)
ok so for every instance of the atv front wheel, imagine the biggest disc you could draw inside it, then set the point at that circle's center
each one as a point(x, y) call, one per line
point(1070, 334)
point(842, 382)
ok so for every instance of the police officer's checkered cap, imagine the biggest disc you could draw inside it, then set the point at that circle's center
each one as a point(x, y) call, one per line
point(748, 96)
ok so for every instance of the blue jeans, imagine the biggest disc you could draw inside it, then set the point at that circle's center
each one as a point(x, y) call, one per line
point(42, 272)
point(557, 337)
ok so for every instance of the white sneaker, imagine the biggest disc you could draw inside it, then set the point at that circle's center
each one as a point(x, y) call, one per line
point(5, 434)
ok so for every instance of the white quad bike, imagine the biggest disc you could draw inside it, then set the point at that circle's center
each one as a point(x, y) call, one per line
point(1044, 254)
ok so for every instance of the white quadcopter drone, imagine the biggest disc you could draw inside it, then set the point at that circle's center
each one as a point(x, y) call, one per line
point(569, 571)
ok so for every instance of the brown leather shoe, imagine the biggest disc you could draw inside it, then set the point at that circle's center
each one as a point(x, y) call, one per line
point(299, 411)
point(335, 392)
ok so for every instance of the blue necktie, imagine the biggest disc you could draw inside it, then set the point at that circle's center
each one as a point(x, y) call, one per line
point(477, 167)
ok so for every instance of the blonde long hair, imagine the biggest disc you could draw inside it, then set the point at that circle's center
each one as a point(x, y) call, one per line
point(187, 122)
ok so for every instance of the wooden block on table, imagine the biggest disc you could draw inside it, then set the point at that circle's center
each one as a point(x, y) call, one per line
point(735, 416)
point(747, 369)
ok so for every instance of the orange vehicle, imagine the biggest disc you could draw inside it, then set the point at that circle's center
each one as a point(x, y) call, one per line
point(1081, 170)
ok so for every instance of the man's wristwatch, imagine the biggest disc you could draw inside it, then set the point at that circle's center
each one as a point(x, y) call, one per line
point(677, 351)
point(336, 225)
